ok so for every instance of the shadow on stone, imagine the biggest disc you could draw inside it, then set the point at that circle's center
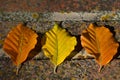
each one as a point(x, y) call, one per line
point(118, 52)
point(37, 48)
point(78, 48)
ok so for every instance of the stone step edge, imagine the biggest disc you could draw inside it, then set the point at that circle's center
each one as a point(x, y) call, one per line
point(60, 16)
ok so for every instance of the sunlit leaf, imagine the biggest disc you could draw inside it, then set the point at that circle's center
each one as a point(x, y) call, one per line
point(99, 41)
point(58, 45)
point(19, 42)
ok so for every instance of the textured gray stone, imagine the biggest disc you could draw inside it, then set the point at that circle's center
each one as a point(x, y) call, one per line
point(57, 16)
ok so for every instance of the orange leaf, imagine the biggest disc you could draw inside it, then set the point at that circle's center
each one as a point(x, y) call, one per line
point(99, 42)
point(19, 42)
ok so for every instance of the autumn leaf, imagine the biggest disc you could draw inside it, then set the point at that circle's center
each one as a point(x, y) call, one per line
point(58, 45)
point(19, 42)
point(99, 42)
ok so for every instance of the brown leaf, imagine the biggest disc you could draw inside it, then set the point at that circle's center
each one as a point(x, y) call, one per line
point(19, 42)
point(99, 41)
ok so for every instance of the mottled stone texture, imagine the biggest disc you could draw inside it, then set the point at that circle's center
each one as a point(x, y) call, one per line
point(69, 70)
point(59, 5)
point(59, 16)
point(40, 68)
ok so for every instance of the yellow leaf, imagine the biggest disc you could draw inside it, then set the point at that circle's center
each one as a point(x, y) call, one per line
point(19, 42)
point(99, 41)
point(58, 45)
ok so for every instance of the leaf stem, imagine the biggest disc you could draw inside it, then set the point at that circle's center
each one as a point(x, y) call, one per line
point(18, 68)
point(55, 69)
point(100, 68)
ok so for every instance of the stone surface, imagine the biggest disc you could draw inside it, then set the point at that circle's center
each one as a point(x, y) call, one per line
point(69, 70)
point(73, 15)
point(58, 16)
point(61, 5)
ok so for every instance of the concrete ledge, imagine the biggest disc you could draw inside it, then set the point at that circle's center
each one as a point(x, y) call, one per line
point(57, 16)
